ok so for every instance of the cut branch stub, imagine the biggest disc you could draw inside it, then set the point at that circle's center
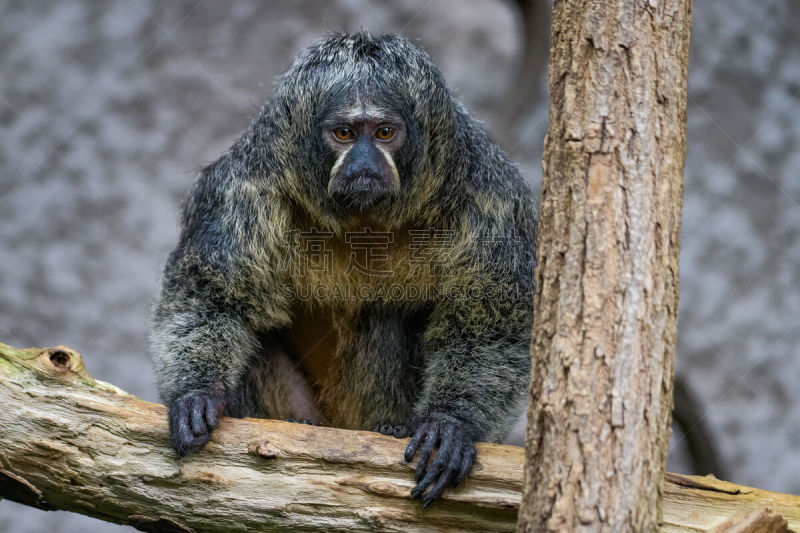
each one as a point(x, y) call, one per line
point(60, 358)
point(59, 361)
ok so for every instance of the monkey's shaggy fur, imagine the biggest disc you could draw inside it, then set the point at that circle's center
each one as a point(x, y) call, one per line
point(231, 331)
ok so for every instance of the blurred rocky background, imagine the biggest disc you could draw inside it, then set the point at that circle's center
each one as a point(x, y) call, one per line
point(109, 107)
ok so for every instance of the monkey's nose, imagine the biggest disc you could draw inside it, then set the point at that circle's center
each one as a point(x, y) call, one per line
point(362, 173)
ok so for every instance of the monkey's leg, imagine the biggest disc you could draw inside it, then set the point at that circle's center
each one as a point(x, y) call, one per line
point(399, 432)
point(275, 388)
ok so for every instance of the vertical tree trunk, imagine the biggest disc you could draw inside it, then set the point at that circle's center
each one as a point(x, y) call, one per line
point(607, 300)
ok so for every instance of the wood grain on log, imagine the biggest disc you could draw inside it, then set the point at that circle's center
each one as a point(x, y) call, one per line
point(70, 442)
point(763, 521)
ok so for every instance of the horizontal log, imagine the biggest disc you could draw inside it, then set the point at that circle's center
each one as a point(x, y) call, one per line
point(701, 503)
point(70, 442)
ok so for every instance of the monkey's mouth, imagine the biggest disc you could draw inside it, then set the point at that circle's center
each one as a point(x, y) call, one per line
point(360, 193)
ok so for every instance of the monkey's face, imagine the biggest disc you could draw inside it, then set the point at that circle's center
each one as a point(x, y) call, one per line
point(365, 140)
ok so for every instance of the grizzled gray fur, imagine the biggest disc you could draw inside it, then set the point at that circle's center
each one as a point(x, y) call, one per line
point(275, 305)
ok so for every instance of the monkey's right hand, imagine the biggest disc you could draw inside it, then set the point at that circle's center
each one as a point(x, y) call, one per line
point(455, 457)
point(192, 418)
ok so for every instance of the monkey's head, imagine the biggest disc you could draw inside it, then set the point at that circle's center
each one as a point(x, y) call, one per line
point(360, 124)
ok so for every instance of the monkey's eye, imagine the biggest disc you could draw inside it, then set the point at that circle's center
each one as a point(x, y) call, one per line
point(344, 134)
point(385, 133)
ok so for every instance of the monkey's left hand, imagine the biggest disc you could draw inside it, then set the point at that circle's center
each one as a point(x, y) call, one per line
point(455, 457)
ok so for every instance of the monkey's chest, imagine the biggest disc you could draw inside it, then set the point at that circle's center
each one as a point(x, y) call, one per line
point(350, 293)
point(365, 267)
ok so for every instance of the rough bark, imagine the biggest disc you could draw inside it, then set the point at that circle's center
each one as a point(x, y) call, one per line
point(607, 299)
point(70, 442)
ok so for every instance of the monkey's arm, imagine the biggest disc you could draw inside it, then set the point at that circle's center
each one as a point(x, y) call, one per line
point(215, 295)
point(477, 367)
point(199, 353)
